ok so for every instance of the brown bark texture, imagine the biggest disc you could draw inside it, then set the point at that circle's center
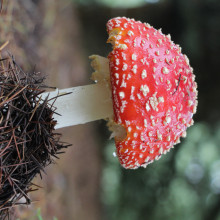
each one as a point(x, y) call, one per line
point(46, 35)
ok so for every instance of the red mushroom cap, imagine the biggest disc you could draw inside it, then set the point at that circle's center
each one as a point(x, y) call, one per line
point(153, 90)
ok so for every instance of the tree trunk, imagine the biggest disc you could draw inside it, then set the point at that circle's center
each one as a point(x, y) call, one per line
point(47, 34)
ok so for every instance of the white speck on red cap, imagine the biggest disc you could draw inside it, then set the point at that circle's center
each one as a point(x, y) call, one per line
point(165, 70)
point(144, 74)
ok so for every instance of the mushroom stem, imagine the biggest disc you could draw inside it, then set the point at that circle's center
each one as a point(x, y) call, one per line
point(84, 103)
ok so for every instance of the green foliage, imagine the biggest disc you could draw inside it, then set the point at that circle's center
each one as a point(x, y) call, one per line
point(117, 3)
point(39, 216)
point(175, 187)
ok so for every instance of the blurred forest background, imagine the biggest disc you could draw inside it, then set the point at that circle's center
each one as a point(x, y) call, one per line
point(87, 182)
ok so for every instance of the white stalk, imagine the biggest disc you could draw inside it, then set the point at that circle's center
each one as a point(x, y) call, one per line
point(85, 103)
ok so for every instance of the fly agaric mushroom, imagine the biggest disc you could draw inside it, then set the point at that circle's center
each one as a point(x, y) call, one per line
point(145, 89)
point(153, 89)
point(154, 93)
